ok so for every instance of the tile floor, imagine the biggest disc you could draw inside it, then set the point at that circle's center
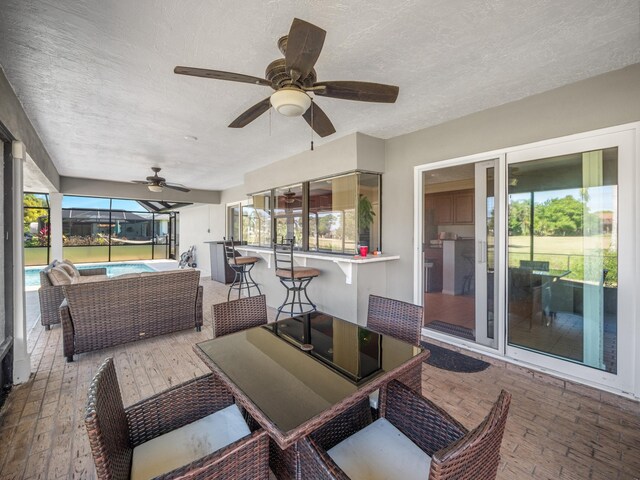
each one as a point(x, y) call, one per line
point(555, 430)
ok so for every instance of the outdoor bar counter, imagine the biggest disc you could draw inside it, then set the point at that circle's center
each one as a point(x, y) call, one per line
point(343, 287)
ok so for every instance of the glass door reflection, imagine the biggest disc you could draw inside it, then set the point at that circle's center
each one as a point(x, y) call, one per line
point(562, 257)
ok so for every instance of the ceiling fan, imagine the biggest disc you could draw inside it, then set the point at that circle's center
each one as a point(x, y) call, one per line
point(156, 183)
point(293, 76)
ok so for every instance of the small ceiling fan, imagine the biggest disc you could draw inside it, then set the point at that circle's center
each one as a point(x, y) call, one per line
point(293, 76)
point(156, 183)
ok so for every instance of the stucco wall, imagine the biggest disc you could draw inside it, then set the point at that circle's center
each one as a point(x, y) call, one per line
point(199, 224)
point(603, 101)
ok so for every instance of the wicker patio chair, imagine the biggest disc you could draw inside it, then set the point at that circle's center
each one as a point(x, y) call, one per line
point(412, 432)
point(400, 320)
point(122, 439)
point(236, 315)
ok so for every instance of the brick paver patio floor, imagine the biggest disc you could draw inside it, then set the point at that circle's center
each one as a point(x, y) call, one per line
point(555, 429)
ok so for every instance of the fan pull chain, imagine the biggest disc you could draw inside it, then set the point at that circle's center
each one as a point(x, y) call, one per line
point(312, 104)
point(270, 121)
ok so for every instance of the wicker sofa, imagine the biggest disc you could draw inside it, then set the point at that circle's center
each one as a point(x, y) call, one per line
point(128, 308)
point(51, 296)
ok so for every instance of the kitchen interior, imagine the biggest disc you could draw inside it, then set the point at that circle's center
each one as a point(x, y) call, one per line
point(449, 253)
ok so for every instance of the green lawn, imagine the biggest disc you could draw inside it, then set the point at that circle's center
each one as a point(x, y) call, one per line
point(566, 253)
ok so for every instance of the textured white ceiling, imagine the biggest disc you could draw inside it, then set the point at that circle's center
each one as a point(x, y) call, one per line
point(95, 76)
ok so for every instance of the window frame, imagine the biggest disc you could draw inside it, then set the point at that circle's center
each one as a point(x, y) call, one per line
point(304, 244)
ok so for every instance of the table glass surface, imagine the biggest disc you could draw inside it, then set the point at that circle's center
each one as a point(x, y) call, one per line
point(291, 385)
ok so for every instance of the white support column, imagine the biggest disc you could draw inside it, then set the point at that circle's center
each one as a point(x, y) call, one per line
point(21, 358)
point(593, 301)
point(55, 221)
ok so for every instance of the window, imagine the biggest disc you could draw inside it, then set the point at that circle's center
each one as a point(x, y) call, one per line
point(369, 210)
point(256, 220)
point(344, 213)
point(233, 222)
point(36, 229)
point(103, 229)
point(333, 215)
point(287, 213)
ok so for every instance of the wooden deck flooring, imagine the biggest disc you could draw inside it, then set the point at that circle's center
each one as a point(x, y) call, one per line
point(555, 430)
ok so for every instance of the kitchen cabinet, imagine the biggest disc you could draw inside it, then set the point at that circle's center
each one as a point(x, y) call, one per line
point(450, 208)
point(463, 207)
point(443, 206)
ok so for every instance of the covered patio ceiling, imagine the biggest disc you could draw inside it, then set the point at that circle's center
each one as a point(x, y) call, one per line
point(96, 77)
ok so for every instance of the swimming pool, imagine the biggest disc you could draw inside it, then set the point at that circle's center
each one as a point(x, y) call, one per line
point(32, 274)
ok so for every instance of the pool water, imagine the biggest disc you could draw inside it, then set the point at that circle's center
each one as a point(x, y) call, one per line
point(32, 274)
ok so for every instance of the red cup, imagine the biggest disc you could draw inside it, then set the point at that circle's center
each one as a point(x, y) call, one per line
point(364, 250)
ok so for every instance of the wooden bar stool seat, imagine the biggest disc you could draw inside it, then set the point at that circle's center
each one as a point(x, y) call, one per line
point(298, 272)
point(243, 260)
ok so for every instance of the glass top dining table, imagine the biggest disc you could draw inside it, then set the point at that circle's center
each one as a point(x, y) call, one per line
point(296, 374)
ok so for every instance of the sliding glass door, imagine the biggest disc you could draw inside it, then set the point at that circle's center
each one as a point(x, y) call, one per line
point(542, 271)
point(567, 230)
point(486, 278)
point(459, 244)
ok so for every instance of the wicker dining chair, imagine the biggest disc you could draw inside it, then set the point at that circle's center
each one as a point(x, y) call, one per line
point(236, 315)
point(145, 440)
point(412, 432)
point(400, 320)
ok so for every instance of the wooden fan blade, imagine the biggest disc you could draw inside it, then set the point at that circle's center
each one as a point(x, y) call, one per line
point(304, 45)
point(319, 121)
point(140, 182)
point(251, 114)
point(220, 75)
point(359, 91)
point(176, 187)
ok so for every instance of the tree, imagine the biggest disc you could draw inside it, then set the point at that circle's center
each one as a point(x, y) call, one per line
point(519, 217)
point(32, 215)
point(561, 217)
point(326, 223)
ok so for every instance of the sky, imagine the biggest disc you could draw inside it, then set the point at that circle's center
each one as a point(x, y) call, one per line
point(102, 203)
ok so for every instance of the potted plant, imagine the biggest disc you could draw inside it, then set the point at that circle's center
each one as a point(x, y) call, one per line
point(365, 219)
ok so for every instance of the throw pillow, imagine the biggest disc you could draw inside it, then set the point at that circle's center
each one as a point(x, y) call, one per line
point(73, 273)
point(59, 277)
point(70, 263)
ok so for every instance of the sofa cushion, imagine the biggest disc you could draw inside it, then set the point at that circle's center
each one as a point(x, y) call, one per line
point(126, 275)
point(381, 451)
point(58, 276)
point(189, 443)
point(92, 279)
point(153, 274)
point(73, 273)
point(70, 263)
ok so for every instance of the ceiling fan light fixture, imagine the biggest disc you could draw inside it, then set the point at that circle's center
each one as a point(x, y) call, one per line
point(155, 188)
point(290, 102)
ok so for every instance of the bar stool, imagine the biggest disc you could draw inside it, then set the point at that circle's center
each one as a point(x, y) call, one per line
point(241, 267)
point(294, 279)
